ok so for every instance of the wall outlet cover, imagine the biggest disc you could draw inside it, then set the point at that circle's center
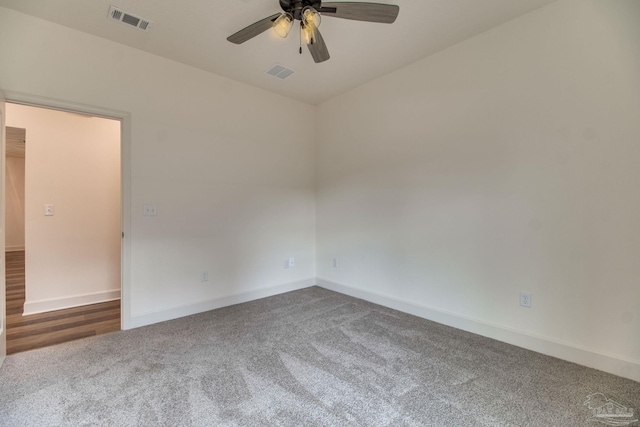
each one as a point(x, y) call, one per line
point(525, 299)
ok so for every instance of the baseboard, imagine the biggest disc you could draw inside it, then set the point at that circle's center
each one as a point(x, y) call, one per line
point(212, 304)
point(3, 346)
point(42, 306)
point(562, 350)
point(14, 248)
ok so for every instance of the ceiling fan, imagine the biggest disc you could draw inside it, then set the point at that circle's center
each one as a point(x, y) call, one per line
point(308, 12)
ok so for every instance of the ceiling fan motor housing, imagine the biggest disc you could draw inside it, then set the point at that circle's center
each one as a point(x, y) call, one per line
point(295, 6)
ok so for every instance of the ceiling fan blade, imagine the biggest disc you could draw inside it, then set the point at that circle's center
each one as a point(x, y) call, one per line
point(370, 12)
point(318, 47)
point(253, 30)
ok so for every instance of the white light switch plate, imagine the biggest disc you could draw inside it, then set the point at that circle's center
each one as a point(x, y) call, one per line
point(150, 210)
point(48, 210)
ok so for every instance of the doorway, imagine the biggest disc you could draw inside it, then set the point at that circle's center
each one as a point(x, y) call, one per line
point(64, 283)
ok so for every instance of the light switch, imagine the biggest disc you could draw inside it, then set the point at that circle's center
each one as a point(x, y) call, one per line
point(150, 210)
point(48, 210)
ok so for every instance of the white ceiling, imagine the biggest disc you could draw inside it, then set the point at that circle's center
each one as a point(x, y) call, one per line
point(194, 32)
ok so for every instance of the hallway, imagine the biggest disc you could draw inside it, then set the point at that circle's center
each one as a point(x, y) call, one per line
point(54, 327)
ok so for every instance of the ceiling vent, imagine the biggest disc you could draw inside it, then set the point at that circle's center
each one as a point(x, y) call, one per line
point(280, 72)
point(129, 19)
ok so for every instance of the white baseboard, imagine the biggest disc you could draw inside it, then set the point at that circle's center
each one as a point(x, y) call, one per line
point(212, 304)
point(610, 363)
point(13, 248)
point(42, 306)
point(3, 346)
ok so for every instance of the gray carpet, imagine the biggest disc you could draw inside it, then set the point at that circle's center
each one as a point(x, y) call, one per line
point(305, 358)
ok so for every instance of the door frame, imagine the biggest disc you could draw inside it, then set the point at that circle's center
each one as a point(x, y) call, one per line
point(3, 284)
point(125, 180)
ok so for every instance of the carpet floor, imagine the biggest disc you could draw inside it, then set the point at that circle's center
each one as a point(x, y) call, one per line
point(304, 358)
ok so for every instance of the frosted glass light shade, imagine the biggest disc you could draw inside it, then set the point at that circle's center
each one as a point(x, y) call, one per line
point(307, 33)
point(283, 24)
point(311, 17)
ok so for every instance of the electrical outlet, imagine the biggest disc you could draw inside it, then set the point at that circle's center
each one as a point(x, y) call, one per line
point(335, 263)
point(204, 276)
point(525, 299)
point(290, 263)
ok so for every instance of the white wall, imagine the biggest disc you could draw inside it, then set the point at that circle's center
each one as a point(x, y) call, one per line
point(504, 163)
point(508, 162)
point(73, 162)
point(14, 203)
point(235, 194)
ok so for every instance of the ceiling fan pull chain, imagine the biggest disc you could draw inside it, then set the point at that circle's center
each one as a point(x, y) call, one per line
point(300, 38)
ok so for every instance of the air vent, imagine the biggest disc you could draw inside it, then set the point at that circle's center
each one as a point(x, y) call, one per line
point(129, 18)
point(280, 71)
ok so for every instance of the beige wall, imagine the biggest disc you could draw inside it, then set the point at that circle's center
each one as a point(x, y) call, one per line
point(73, 162)
point(508, 162)
point(233, 188)
point(14, 203)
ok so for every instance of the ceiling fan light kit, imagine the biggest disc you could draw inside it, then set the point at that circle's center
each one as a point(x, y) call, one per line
point(310, 16)
point(309, 12)
point(306, 34)
point(283, 25)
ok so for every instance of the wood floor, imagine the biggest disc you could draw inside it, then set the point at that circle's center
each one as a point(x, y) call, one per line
point(55, 327)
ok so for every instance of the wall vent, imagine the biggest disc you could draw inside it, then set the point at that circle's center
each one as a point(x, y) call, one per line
point(128, 18)
point(280, 71)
